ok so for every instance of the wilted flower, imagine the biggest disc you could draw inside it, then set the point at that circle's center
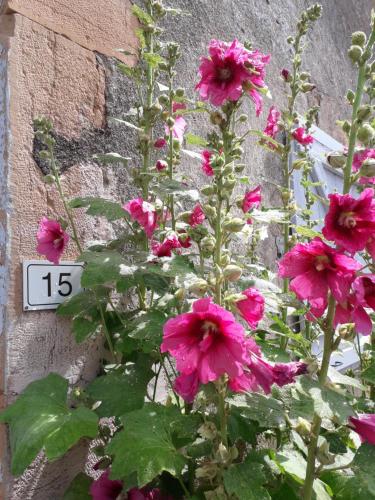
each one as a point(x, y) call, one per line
point(52, 239)
point(144, 213)
point(301, 136)
point(272, 122)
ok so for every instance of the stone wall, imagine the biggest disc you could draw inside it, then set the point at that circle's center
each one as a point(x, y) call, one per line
point(56, 60)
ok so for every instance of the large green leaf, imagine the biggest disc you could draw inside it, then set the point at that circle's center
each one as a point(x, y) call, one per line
point(369, 373)
point(265, 410)
point(147, 329)
point(121, 391)
point(41, 419)
point(98, 206)
point(146, 445)
point(245, 481)
point(178, 189)
point(102, 267)
point(79, 488)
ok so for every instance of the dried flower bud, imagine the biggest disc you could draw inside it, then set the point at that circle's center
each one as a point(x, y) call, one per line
point(232, 272)
point(365, 133)
point(216, 118)
point(355, 53)
point(234, 225)
point(207, 471)
point(208, 431)
point(303, 427)
point(307, 87)
point(359, 38)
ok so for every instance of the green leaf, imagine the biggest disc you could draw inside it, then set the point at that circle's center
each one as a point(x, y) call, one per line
point(153, 59)
point(79, 488)
point(141, 15)
point(121, 391)
point(145, 445)
point(101, 268)
point(369, 373)
point(83, 327)
point(111, 158)
point(40, 419)
point(364, 466)
point(79, 303)
point(246, 481)
point(178, 265)
point(195, 140)
point(98, 206)
point(265, 410)
point(148, 329)
point(339, 378)
point(309, 233)
point(178, 189)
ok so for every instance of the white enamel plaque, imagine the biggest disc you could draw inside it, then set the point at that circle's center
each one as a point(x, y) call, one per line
point(46, 285)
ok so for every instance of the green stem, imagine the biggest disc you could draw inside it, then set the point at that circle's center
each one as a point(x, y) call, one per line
point(222, 414)
point(171, 151)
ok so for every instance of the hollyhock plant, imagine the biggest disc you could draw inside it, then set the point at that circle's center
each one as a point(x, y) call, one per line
point(180, 124)
point(364, 425)
point(228, 68)
point(165, 248)
point(252, 199)
point(316, 268)
point(52, 239)
point(350, 222)
point(206, 166)
point(358, 159)
point(144, 213)
point(207, 341)
point(272, 126)
point(197, 216)
point(252, 307)
point(301, 136)
point(104, 488)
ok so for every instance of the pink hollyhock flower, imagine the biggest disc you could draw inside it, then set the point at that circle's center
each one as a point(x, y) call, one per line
point(161, 165)
point(165, 249)
point(104, 488)
point(184, 239)
point(300, 135)
point(228, 68)
point(252, 199)
point(358, 160)
point(160, 143)
point(251, 308)
point(286, 373)
point(350, 222)
point(147, 494)
point(364, 425)
point(144, 213)
point(272, 126)
point(370, 247)
point(187, 386)
point(206, 166)
point(350, 312)
point(207, 341)
point(197, 216)
point(52, 239)
point(316, 268)
point(180, 124)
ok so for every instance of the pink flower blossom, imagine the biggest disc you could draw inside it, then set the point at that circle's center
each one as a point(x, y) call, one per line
point(147, 493)
point(165, 248)
point(285, 74)
point(364, 425)
point(228, 69)
point(300, 135)
point(104, 488)
point(252, 199)
point(52, 240)
point(207, 341)
point(160, 143)
point(197, 216)
point(285, 373)
point(350, 222)
point(350, 312)
point(316, 268)
point(251, 308)
point(161, 165)
point(144, 213)
point(180, 124)
point(272, 122)
point(358, 160)
point(187, 386)
point(184, 239)
point(206, 166)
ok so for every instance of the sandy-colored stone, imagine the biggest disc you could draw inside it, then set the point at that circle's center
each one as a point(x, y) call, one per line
point(102, 26)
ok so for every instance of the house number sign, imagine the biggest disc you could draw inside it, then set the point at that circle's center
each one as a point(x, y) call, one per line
point(46, 285)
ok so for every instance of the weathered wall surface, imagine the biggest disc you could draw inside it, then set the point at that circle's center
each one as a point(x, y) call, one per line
point(55, 60)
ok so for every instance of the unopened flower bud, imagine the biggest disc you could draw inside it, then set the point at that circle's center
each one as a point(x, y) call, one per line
point(179, 294)
point(368, 168)
point(161, 165)
point(285, 75)
point(239, 168)
point(365, 133)
point(228, 169)
point(336, 160)
point(304, 76)
point(155, 109)
point(225, 260)
point(242, 118)
point(307, 87)
point(170, 121)
point(350, 96)
point(209, 210)
point(49, 179)
point(364, 112)
point(198, 287)
point(355, 53)
point(217, 162)
point(163, 99)
point(232, 272)
point(216, 118)
point(180, 92)
point(303, 427)
point(286, 196)
point(208, 430)
point(298, 164)
point(207, 190)
point(347, 331)
point(229, 183)
point(234, 225)
point(346, 126)
point(208, 244)
point(359, 38)
point(290, 40)
point(184, 216)
point(237, 151)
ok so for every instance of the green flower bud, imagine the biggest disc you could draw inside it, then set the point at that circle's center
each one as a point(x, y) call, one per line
point(303, 427)
point(198, 287)
point(237, 151)
point(207, 190)
point(209, 210)
point(225, 260)
point(346, 126)
point(355, 53)
point(228, 169)
point(286, 196)
point(347, 332)
point(298, 164)
point(239, 168)
point(336, 160)
point(243, 118)
point(234, 225)
point(163, 99)
point(170, 121)
point(359, 38)
point(232, 272)
point(217, 162)
point(365, 133)
point(304, 76)
point(229, 183)
point(180, 92)
point(350, 96)
point(290, 40)
point(49, 179)
point(184, 216)
point(307, 87)
point(368, 168)
point(364, 112)
point(207, 245)
point(179, 295)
